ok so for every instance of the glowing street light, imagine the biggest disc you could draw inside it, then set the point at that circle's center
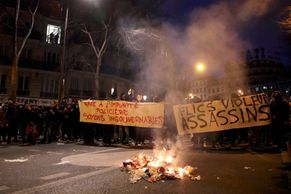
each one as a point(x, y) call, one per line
point(144, 98)
point(200, 67)
point(112, 91)
point(240, 92)
point(191, 95)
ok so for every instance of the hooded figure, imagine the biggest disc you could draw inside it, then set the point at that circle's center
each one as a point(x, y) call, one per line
point(280, 115)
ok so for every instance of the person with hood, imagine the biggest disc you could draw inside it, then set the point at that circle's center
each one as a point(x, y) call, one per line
point(280, 114)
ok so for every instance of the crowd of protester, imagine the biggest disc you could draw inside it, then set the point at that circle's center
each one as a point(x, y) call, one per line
point(277, 134)
point(30, 124)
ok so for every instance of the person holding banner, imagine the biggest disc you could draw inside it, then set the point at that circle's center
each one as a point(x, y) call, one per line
point(139, 131)
point(53, 125)
point(123, 130)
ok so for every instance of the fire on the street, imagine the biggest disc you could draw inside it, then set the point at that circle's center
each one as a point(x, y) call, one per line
point(159, 167)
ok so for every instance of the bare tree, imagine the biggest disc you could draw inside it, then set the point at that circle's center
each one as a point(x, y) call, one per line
point(104, 38)
point(17, 50)
point(99, 48)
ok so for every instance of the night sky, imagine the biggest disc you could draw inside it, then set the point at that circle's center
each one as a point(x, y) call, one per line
point(262, 32)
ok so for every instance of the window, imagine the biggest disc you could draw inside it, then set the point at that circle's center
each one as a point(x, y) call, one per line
point(23, 83)
point(48, 87)
point(4, 50)
point(26, 53)
point(2, 81)
point(23, 86)
point(53, 34)
point(51, 58)
point(7, 20)
point(2, 84)
point(75, 84)
point(52, 86)
point(54, 58)
point(87, 85)
point(20, 83)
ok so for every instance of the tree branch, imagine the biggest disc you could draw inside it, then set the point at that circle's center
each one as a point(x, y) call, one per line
point(85, 30)
point(104, 45)
point(17, 8)
point(30, 29)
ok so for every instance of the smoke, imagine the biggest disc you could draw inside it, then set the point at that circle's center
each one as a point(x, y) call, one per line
point(213, 36)
point(151, 52)
point(250, 9)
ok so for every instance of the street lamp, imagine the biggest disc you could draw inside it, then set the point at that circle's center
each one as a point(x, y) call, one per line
point(200, 67)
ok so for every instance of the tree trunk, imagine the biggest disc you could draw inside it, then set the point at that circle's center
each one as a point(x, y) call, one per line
point(96, 77)
point(14, 70)
point(16, 51)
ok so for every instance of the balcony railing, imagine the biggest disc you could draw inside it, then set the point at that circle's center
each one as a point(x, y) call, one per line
point(87, 93)
point(3, 91)
point(22, 92)
point(75, 92)
point(48, 95)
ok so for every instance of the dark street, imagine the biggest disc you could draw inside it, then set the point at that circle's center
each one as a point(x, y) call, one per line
point(145, 97)
point(69, 168)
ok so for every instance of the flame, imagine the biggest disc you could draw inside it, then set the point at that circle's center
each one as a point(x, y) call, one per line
point(161, 165)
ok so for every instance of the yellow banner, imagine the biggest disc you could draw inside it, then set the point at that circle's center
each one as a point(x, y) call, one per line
point(124, 113)
point(219, 115)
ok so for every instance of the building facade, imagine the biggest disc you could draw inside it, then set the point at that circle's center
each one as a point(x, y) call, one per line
point(261, 71)
point(207, 88)
point(40, 60)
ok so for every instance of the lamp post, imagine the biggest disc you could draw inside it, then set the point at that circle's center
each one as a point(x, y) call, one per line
point(62, 67)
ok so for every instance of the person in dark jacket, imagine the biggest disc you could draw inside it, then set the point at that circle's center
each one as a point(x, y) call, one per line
point(280, 115)
point(3, 123)
point(12, 118)
point(67, 124)
point(53, 124)
point(24, 113)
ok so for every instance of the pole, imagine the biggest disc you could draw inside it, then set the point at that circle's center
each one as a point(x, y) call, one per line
point(62, 68)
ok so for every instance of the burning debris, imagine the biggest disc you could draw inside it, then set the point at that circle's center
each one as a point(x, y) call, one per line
point(157, 168)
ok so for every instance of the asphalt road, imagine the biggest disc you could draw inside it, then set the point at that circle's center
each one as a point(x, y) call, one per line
point(70, 168)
